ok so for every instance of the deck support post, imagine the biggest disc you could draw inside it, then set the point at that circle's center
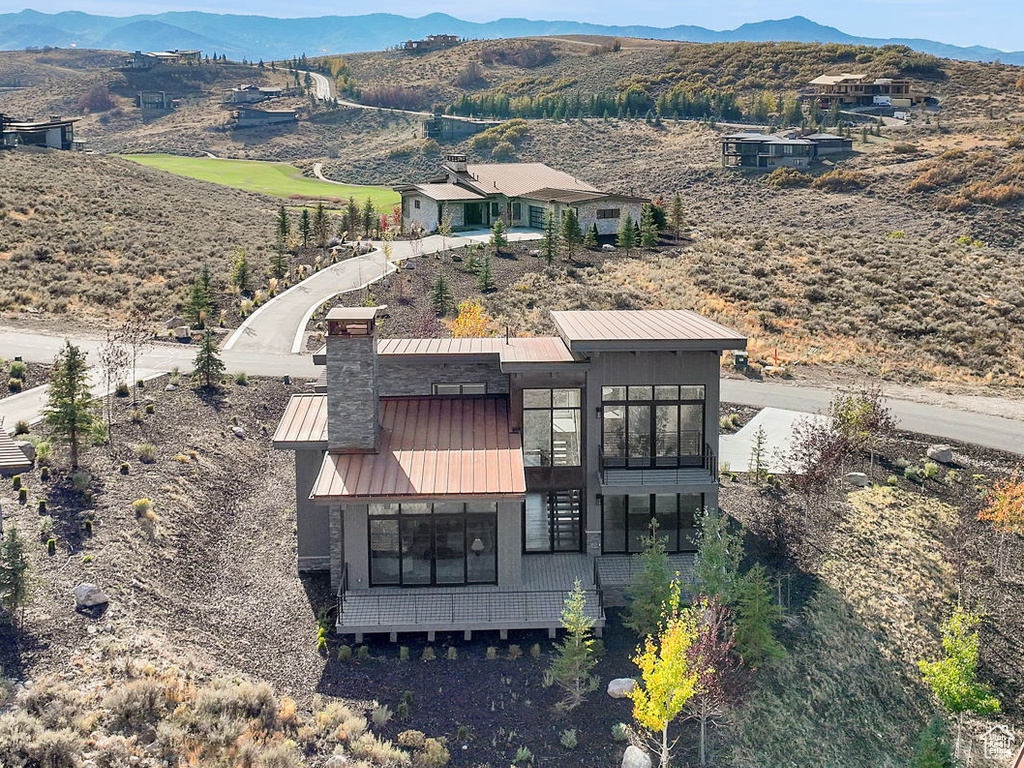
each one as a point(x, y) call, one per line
point(359, 638)
point(467, 635)
point(552, 633)
point(503, 634)
point(430, 636)
point(599, 631)
point(393, 636)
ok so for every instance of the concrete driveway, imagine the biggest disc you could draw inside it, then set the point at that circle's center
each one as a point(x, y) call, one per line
point(279, 325)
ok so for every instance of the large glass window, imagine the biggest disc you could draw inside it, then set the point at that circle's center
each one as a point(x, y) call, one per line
point(553, 522)
point(552, 430)
point(661, 426)
point(626, 521)
point(442, 543)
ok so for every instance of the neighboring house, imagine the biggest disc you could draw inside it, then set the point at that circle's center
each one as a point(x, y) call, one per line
point(859, 91)
point(154, 101)
point(247, 117)
point(252, 94)
point(492, 473)
point(752, 149)
point(444, 128)
point(56, 133)
point(148, 60)
point(520, 194)
point(431, 43)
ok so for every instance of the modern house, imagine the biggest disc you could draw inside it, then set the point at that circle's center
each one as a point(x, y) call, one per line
point(752, 149)
point(520, 194)
point(252, 94)
point(248, 117)
point(431, 43)
point(55, 133)
point(148, 60)
point(465, 484)
point(859, 91)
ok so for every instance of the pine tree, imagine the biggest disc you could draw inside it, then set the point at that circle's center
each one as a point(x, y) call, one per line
point(675, 216)
point(444, 230)
point(284, 228)
point(627, 234)
point(648, 227)
point(321, 226)
point(14, 577)
point(651, 587)
point(485, 277)
point(756, 617)
point(571, 234)
point(197, 308)
point(575, 657)
point(441, 296)
point(70, 409)
point(208, 365)
point(304, 227)
point(241, 275)
point(352, 217)
point(499, 239)
point(590, 239)
point(549, 242)
point(933, 750)
point(716, 569)
point(368, 215)
point(756, 468)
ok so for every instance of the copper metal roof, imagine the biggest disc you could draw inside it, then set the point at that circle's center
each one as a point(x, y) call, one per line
point(518, 179)
point(12, 458)
point(304, 421)
point(643, 329)
point(549, 349)
point(431, 448)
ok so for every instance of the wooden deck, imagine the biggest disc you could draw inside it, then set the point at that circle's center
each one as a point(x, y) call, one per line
point(537, 604)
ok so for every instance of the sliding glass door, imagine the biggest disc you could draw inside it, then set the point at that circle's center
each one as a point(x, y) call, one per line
point(646, 426)
point(433, 544)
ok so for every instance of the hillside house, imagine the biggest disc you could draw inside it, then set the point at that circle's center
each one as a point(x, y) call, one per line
point(55, 133)
point(150, 59)
point(431, 43)
point(248, 117)
point(253, 94)
point(520, 194)
point(449, 128)
point(491, 473)
point(848, 90)
point(154, 101)
point(752, 149)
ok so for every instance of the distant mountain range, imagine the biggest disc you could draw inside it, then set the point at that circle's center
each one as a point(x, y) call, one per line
point(262, 37)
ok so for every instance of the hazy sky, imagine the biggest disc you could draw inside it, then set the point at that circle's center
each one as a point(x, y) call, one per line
point(995, 23)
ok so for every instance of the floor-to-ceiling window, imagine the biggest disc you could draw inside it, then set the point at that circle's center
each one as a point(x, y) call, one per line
point(652, 426)
point(440, 543)
point(626, 520)
point(552, 429)
point(553, 521)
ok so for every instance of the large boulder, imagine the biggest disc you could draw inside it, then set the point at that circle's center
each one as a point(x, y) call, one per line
point(635, 758)
point(337, 761)
point(89, 596)
point(621, 687)
point(28, 449)
point(940, 453)
point(858, 479)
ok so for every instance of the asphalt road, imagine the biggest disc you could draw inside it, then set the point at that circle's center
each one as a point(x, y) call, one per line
point(943, 422)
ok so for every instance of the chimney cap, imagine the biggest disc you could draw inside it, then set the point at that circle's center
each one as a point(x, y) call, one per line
point(354, 313)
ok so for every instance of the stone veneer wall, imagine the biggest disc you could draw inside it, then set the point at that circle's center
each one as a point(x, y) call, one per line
point(352, 393)
point(404, 378)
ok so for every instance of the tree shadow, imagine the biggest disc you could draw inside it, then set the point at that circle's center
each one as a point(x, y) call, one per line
point(213, 396)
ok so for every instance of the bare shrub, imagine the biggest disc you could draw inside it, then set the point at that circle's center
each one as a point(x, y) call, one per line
point(392, 97)
point(26, 743)
point(788, 177)
point(137, 704)
point(96, 100)
point(471, 75)
point(226, 701)
point(840, 180)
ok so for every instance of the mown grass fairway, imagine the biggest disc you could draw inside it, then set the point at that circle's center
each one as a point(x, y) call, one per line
point(277, 179)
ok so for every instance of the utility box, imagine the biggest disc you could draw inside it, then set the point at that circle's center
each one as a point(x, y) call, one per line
point(740, 358)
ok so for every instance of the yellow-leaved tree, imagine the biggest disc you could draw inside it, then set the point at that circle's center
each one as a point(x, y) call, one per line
point(669, 677)
point(472, 322)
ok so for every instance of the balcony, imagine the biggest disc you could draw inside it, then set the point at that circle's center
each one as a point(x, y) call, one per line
point(619, 471)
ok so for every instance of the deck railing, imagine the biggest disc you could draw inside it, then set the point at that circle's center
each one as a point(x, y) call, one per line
point(656, 470)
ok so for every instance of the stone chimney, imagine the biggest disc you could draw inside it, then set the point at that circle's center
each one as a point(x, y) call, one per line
point(353, 420)
point(455, 162)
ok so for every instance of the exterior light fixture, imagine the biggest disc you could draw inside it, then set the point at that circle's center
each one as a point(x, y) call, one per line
point(477, 546)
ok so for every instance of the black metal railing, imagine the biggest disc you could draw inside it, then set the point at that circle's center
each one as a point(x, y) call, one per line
point(342, 590)
point(657, 469)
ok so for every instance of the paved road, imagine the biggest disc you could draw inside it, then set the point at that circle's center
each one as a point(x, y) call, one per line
point(945, 422)
point(279, 325)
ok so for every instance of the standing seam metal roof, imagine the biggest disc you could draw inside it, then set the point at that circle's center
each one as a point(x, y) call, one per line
point(304, 420)
point(432, 447)
point(639, 325)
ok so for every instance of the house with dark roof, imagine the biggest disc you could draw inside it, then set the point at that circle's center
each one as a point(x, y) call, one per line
point(753, 149)
point(520, 194)
point(466, 484)
point(55, 133)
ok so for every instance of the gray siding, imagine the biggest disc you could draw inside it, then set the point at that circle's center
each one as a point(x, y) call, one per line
point(311, 523)
point(510, 544)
